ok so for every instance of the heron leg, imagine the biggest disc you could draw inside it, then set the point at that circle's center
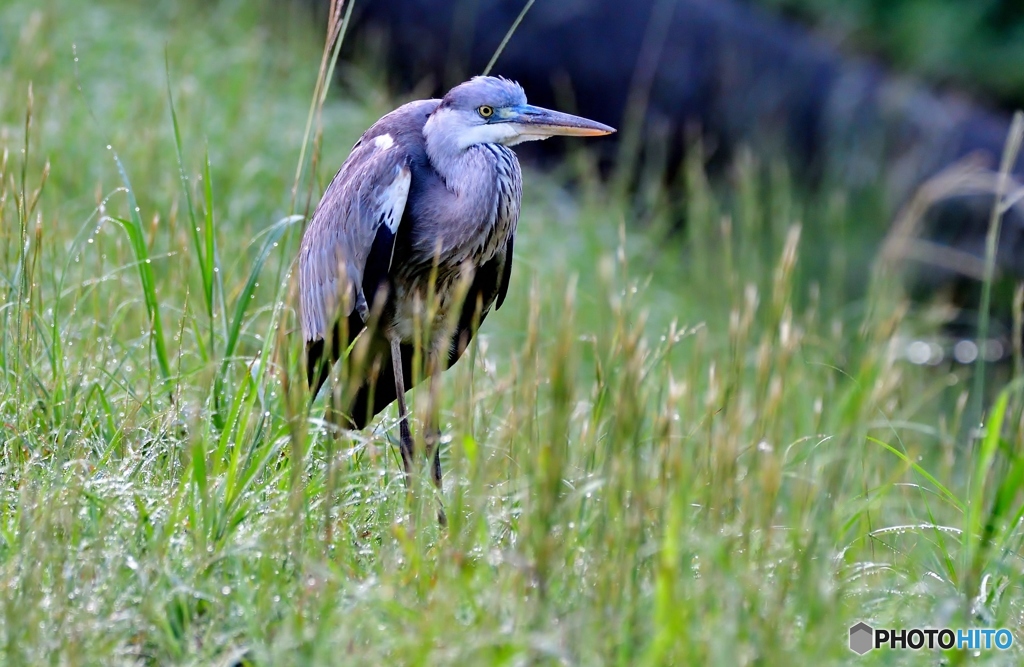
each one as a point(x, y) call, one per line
point(433, 434)
point(405, 442)
point(433, 438)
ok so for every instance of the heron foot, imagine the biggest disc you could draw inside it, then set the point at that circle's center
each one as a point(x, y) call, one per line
point(433, 445)
point(406, 447)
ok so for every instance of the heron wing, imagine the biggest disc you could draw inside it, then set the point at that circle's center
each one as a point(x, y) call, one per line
point(506, 272)
point(490, 284)
point(348, 246)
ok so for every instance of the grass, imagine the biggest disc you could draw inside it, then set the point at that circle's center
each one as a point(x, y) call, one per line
point(686, 448)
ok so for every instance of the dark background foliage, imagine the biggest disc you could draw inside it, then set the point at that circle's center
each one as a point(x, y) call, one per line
point(972, 45)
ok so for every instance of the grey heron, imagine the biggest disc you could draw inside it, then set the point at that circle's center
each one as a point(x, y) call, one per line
point(429, 194)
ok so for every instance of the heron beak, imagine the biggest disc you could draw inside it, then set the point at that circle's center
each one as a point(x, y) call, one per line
point(533, 123)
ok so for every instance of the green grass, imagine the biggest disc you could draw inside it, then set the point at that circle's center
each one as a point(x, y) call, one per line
point(664, 449)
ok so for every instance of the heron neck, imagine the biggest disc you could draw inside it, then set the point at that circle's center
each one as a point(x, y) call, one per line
point(449, 161)
point(462, 214)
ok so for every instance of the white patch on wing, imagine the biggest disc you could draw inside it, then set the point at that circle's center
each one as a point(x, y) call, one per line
point(384, 142)
point(393, 197)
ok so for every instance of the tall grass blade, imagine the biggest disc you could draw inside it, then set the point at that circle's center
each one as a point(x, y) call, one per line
point(508, 36)
point(945, 492)
point(335, 34)
point(204, 255)
point(978, 536)
point(133, 228)
point(273, 234)
point(1010, 154)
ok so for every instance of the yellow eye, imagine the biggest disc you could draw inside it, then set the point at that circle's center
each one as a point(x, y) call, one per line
point(486, 111)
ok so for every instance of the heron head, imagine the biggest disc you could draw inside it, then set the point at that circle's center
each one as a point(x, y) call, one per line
point(493, 110)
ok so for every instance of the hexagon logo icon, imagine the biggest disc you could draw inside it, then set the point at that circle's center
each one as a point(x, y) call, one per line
point(862, 638)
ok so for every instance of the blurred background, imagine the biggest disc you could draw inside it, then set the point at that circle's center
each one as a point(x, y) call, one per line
point(870, 98)
point(856, 105)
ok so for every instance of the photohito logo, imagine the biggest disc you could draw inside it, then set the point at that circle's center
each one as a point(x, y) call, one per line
point(863, 638)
